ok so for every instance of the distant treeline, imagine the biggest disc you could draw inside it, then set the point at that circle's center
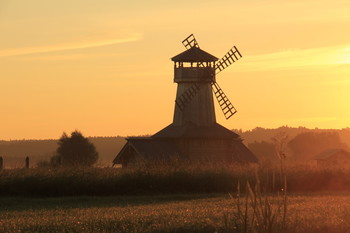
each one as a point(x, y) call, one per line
point(299, 145)
point(15, 151)
point(260, 140)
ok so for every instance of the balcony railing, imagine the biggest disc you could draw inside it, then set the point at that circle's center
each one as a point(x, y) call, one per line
point(194, 74)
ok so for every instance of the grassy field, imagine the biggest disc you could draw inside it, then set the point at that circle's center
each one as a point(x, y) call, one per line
point(174, 199)
point(325, 213)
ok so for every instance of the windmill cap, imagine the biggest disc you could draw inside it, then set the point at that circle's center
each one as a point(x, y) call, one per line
point(194, 54)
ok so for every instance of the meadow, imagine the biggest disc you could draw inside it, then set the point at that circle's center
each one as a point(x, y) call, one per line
point(326, 213)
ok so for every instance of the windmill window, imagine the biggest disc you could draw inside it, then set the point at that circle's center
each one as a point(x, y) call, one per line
point(178, 64)
point(194, 64)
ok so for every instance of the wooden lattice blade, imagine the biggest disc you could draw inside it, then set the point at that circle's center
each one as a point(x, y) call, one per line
point(183, 100)
point(190, 42)
point(227, 108)
point(230, 57)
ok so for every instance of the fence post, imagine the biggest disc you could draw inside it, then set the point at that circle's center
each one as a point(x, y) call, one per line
point(1, 163)
point(27, 162)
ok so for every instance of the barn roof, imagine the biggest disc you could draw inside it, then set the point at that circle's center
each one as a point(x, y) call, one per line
point(163, 146)
point(194, 54)
point(329, 153)
point(190, 130)
point(148, 148)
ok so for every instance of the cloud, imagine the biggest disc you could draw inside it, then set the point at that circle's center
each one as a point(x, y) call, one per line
point(75, 56)
point(70, 46)
point(297, 58)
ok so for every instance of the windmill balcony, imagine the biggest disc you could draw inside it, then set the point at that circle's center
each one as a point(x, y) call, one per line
point(194, 74)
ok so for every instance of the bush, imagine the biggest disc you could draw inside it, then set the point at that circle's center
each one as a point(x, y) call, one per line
point(75, 150)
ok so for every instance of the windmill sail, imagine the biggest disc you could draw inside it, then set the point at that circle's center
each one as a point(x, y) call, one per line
point(190, 42)
point(187, 96)
point(230, 57)
point(225, 104)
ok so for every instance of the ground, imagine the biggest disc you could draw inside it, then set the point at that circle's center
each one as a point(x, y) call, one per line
point(321, 212)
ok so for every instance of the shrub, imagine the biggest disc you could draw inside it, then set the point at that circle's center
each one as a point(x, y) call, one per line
point(75, 150)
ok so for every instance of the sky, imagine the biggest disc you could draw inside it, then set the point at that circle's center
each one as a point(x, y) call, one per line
point(103, 67)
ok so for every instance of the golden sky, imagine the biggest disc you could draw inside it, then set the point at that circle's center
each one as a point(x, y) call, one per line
point(103, 67)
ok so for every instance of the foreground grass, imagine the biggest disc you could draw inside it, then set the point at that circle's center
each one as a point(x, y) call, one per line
point(326, 213)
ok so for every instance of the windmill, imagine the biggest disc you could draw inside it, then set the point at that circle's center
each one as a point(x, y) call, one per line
point(201, 74)
point(194, 134)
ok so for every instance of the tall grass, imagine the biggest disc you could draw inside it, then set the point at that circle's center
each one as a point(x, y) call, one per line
point(109, 181)
point(256, 213)
point(259, 215)
point(198, 178)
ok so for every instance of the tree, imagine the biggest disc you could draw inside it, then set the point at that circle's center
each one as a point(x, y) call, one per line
point(75, 150)
point(306, 145)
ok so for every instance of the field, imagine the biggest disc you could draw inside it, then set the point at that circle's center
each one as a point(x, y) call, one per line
point(174, 199)
point(169, 213)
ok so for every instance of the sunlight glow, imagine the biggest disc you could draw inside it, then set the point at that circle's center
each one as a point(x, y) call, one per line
point(104, 67)
point(344, 56)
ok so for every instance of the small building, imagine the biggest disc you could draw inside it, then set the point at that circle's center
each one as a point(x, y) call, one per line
point(187, 142)
point(333, 158)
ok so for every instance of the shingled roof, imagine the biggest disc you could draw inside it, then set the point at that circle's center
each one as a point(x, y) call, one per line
point(148, 148)
point(194, 54)
point(190, 130)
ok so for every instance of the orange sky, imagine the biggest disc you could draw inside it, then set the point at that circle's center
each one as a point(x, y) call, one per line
point(104, 68)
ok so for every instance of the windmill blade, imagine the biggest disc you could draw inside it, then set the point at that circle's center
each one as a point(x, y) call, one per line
point(190, 42)
point(230, 57)
point(225, 104)
point(192, 91)
point(187, 96)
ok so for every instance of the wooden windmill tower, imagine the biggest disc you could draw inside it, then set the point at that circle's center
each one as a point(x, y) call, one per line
point(194, 134)
point(195, 73)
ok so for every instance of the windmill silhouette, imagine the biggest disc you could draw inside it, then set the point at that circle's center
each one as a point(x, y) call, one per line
point(207, 64)
point(195, 73)
point(194, 134)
